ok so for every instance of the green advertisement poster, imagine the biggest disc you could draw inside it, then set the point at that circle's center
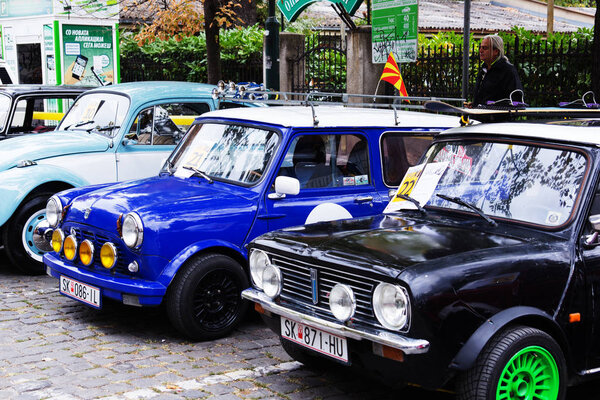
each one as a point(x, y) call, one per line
point(395, 28)
point(49, 51)
point(88, 55)
point(23, 8)
point(291, 9)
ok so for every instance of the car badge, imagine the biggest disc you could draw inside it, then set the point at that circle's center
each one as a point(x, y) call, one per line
point(314, 285)
point(87, 213)
point(73, 231)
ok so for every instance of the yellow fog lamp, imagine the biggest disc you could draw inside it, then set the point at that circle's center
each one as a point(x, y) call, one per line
point(108, 255)
point(70, 248)
point(58, 237)
point(86, 252)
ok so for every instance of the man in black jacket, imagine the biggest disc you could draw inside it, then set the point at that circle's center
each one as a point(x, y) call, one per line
point(497, 77)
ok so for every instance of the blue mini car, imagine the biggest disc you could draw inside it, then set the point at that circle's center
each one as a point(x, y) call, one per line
point(180, 237)
point(113, 133)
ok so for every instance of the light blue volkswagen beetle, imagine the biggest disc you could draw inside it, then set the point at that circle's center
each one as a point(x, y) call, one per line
point(113, 133)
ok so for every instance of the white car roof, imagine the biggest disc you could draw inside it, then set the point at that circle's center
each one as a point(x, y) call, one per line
point(565, 131)
point(335, 116)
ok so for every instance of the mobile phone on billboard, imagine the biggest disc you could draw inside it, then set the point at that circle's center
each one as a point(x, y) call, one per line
point(79, 67)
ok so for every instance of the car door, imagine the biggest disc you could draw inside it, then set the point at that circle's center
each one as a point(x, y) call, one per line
point(152, 137)
point(332, 168)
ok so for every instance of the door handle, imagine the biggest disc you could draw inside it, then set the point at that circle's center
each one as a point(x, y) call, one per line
point(363, 199)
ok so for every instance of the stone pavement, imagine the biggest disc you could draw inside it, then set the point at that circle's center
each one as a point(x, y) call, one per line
point(52, 347)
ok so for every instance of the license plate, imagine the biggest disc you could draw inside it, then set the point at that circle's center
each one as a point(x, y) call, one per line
point(87, 294)
point(323, 342)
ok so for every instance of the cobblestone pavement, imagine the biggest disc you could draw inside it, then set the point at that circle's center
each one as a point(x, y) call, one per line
point(52, 347)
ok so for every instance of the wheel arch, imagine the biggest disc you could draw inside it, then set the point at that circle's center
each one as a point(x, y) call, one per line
point(521, 315)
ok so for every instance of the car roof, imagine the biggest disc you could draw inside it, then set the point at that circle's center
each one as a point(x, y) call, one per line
point(574, 131)
point(158, 89)
point(334, 116)
point(36, 89)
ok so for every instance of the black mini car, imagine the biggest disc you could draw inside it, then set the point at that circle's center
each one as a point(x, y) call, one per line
point(484, 271)
point(34, 108)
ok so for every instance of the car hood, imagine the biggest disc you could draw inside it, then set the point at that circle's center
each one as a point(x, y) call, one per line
point(51, 144)
point(388, 243)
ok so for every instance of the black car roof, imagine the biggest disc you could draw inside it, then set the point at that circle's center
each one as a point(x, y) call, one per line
point(36, 89)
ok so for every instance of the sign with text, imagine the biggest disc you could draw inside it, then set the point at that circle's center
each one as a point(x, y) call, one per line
point(395, 28)
point(291, 9)
point(88, 54)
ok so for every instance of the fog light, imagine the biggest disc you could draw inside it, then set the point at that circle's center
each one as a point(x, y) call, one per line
point(133, 267)
point(70, 248)
point(108, 255)
point(86, 252)
point(271, 280)
point(58, 237)
point(342, 302)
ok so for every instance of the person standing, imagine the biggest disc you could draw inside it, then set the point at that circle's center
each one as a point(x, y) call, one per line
point(497, 76)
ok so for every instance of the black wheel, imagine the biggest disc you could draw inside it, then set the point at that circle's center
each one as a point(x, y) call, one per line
point(24, 246)
point(519, 363)
point(204, 301)
point(304, 356)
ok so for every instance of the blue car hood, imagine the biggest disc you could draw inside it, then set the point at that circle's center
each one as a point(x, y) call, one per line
point(51, 144)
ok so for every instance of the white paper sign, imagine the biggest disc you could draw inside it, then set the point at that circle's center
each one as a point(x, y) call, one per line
point(419, 183)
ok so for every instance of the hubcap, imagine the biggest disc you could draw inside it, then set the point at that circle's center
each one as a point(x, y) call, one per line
point(217, 300)
point(35, 245)
point(530, 374)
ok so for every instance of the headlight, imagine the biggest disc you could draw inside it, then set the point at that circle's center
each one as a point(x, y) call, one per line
point(391, 306)
point(58, 237)
point(271, 281)
point(54, 211)
point(86, 252)
point(70, 247)
point(342, 302)
point(108, 255)
point(258, 262)
point(133, 230)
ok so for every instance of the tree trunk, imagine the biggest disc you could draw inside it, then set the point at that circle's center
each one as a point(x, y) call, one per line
point(213, 48)
point(247, 12)
point(596, 53)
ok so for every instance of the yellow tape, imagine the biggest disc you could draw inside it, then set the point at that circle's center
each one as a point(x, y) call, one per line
point(183, 119)
point(48, 116)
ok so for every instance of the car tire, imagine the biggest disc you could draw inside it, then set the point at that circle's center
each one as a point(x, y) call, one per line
point(204, 301)
point(518, 361)
point(18, 235)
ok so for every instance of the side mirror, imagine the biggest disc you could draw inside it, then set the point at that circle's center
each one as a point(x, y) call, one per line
point(129, 142)
point(285, 185)
point(392, 193)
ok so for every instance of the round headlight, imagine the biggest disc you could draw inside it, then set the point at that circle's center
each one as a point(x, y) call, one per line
point(390, 303)
point(108, 255)
point(271, 281)
point(58, 237)
point(54, 211)
point(86, 252)
point(258, 262)
point(342, 302)
point(133, 230)
point(70, 247)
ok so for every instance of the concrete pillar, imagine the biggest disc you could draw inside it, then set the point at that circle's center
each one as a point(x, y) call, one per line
point(291, 46)
point(362, 75)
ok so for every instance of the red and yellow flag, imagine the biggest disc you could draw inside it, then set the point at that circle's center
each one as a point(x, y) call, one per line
point(391, 74)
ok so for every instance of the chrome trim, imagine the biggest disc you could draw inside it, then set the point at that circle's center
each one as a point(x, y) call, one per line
point(60, 208)
point(407, 345)
point(140, 228)
point(590, 371)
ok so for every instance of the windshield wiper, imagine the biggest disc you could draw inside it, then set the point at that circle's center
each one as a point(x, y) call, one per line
point(198, 172)
point(457, 200)
point(414, 201)
point(104, 128)
point(77, 125)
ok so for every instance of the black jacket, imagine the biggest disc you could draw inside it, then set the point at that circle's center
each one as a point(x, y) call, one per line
point(497, 83)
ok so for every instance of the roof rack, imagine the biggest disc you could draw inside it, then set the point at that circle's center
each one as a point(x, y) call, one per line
point(251, 92)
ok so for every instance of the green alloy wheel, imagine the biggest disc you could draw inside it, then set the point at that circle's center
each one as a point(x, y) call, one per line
point(530, 374)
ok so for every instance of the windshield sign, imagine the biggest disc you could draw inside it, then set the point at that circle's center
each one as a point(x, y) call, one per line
point(98, 112)
point(231, 152)
point(521, 182)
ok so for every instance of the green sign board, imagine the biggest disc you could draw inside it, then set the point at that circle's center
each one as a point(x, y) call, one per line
point(88, 55)
point(292, 8)
point(24, 8)
point(395, 27)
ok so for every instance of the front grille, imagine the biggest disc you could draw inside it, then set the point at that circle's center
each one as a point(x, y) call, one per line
point(297, 286)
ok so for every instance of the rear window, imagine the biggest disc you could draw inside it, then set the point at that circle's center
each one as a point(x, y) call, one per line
point(400, 151)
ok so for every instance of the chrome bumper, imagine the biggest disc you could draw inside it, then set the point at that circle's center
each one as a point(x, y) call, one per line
point(407, 345)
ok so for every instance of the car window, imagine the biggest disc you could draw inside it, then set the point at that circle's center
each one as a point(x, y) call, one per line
point(101, 113)
point(320, 161)
point(5, 102)
point(38, 114)
point(164, 124)
point(399, 152)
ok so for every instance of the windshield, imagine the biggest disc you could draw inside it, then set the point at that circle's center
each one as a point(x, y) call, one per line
point(97, 112)
point(231, 152)
point(4, 110)
point(522, 182)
